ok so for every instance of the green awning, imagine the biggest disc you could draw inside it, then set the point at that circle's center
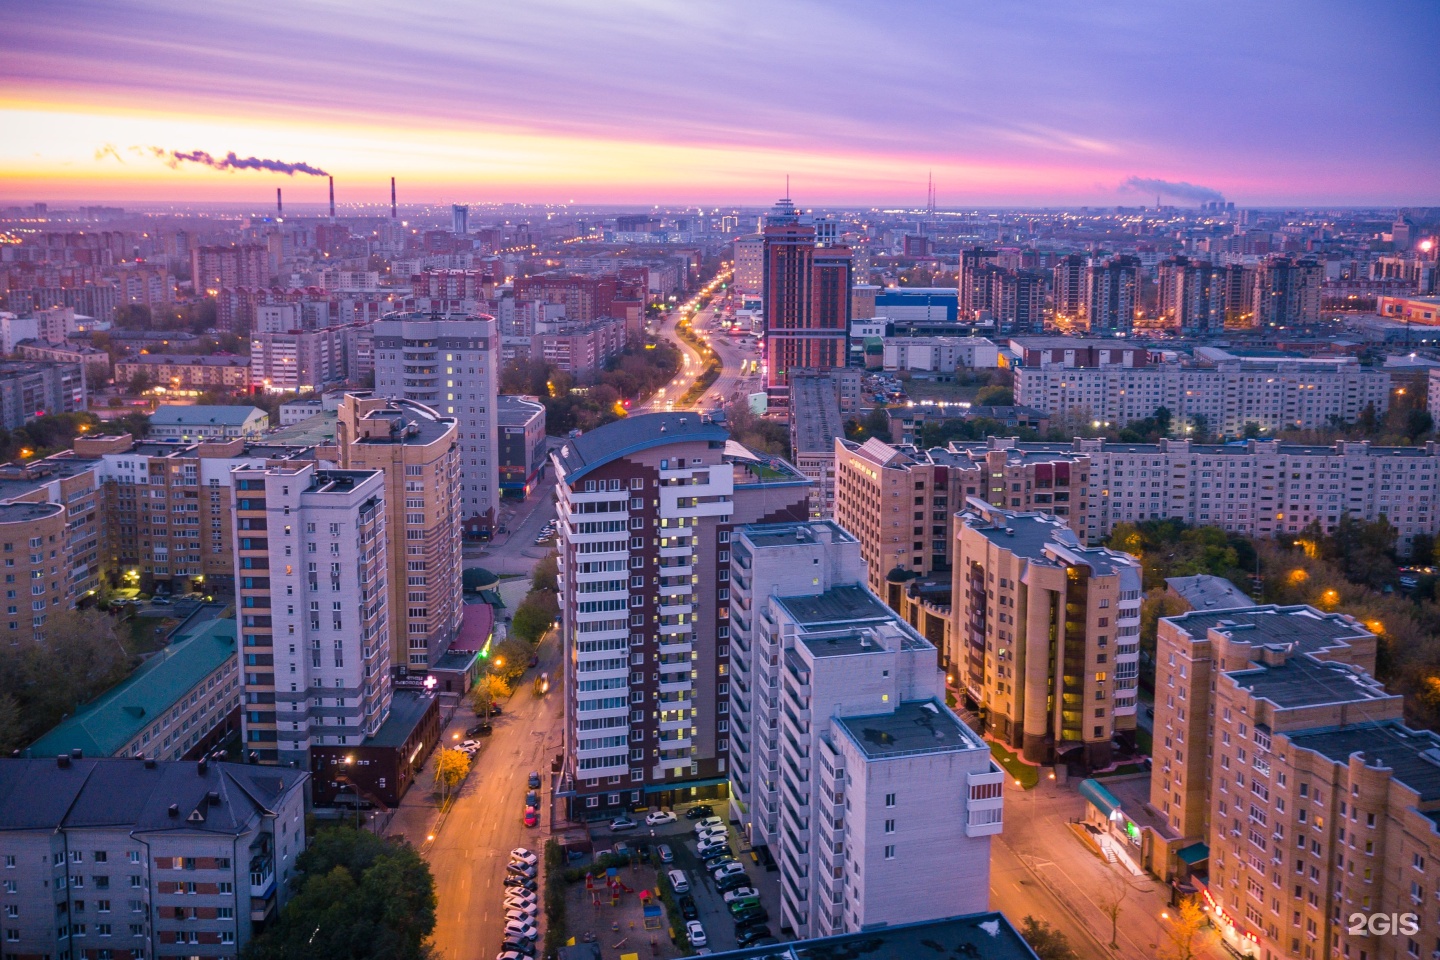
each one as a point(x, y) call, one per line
point(1095, 792)
point(1195, 853)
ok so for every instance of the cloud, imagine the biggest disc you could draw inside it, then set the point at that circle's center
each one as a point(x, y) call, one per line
point(1178, 189)
point(108, 150)
point(173, 159)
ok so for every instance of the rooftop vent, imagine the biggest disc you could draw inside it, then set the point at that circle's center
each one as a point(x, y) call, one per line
point(63, 761)
point(202, 766)
point(174, 810)
point(77, 754)
point(149, 763)
point(214, 798)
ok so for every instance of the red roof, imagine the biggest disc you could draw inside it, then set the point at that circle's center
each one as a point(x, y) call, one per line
point(477, 622)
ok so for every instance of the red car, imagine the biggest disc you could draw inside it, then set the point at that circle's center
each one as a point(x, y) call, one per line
point(532, 817)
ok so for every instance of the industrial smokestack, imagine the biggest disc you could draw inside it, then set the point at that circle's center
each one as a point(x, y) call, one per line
point(332, 198)
point(392, 198)
point(279, 204)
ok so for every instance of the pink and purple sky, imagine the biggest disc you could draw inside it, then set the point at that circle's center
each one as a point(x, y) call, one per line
point(694, 101)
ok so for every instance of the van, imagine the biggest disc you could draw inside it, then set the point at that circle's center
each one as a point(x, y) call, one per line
point(678, 881)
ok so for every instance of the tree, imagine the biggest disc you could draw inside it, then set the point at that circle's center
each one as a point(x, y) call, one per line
point(1200, 428)
point(510, 659)
point(1184, 931)
point(78, 658)
point(535, 615)
point(360, 897)
point(543, 577)
point(140, 382)
point(12, 728)
point(486, 691)
point(1047, 942)
point(1111, 898)
point(1162, 418)
point(995, 396)
point(451, 768)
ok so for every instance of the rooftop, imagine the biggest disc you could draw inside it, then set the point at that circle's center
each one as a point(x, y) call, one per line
point(1206, 592)
point(1302, 681)
point(28, 512)
point(189, 359)
point(978, 936)
point(1413, 755)
point(914, 727)
point(321, 428)
point(17, 480)
point(815, 419)
point(1304, 628)
point(106, 724)
point(169, 414)
point(515, 411)
point(131, 794)
point(407, 709)
point(631, 435)
point(788, 534)
point(834, 605)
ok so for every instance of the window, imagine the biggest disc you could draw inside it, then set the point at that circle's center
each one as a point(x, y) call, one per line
point(889, 799)
point(890, 852)
point(889, 826)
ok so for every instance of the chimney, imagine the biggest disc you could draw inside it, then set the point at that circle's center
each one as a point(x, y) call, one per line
point(174, 810)
point(202, 766)
point(77, 754)
point(332, 198)
point(63, 761)
point(279, 204)
point(392, 198)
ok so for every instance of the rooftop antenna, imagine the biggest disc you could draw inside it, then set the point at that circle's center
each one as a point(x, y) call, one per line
point(787, 186)
point(930, 197)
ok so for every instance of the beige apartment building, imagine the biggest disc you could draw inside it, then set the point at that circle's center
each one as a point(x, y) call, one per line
point(418, 452)
point(1277, 749)
point(1045, 633)
point(900, 502)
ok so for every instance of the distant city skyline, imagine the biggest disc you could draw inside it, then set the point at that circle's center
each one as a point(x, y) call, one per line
point(1050, 104)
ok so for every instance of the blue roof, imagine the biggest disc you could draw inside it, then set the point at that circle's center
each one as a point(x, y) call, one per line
point(169, 414)
point(622, 438)
point(1095, 792)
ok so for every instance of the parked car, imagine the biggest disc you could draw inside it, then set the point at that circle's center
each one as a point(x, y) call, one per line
point(522, 914)
point(523, 947)
point(744, 904)
point(532, 798)
point(531, 817)
point(623, 823)
point(698, 811)
point(714, 833)
point(522, 855)
point(516, 882)
point(515, 930)
point(659, 817)
point(742, 893)
point(520, 899)
point(709, 823)
point(751, 916)
point(728, 870)
point(765, 942)
point(695, 933)
point(495, 710)
point(521, 870)
point(481, 729)
point(678, 881)
point(666, 854)
point(718, 847)
point(726, 884)
point(161, 601)
point(511, 955)
point(688, 910)
point(533, 781)
point(746, 937)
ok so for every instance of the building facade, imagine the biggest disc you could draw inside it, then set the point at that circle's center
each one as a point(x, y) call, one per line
point(33, 388)
point(184, 372)
point(1046, 634)
point(646, 507)
point(449, 362)
point(192, 424)
point(522, 444)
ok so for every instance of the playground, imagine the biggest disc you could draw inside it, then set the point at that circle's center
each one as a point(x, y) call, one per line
point(619, 909)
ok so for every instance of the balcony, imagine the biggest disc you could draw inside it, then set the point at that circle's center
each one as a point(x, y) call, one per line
point(675, 683)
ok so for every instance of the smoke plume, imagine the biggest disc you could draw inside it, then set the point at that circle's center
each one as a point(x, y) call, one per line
point(173, 158)
point(1170, 188)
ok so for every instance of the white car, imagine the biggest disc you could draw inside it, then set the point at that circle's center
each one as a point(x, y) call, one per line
point(659, 817)
point(695, 933)
point(521, 855)
point(741, 893)
point(524, 914)
point(520, 900)
point(515, 930)
point(729, 870)
point(709, 823)
point(707, 846)
point(510, 955)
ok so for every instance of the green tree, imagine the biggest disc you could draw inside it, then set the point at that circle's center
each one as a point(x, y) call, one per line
point(360, 897)
point(12, 728)
point(535, 615)
point(488, 688)
point(78, 658)
point(1047, 942)
point(543, 576)
point(995, 396)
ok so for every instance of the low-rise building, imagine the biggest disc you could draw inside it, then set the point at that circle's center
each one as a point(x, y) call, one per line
point(96, 362)
point(579, 348)
point(815, 423)
point(521, 422)
point(939, 357)
point(207, 422)
point(1206, 592)
point(185, 372)
point(177, 705)
point(149, 858)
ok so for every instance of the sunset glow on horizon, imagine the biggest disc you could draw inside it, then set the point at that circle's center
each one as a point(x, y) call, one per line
point(709, 103)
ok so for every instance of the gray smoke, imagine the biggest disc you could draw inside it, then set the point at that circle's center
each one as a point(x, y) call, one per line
point(230, 161)
point(1170, 188)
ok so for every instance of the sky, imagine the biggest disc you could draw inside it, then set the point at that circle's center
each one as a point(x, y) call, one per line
point(1277, 102)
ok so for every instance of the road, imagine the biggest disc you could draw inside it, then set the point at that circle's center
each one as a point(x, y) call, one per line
point(730, 385)
point(472, 846)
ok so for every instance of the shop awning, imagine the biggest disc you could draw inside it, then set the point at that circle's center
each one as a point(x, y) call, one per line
point(1095, 792)
point(1195, 853)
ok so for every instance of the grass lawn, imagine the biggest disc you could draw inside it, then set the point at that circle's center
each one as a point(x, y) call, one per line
point(934, 390)
point(1027, 775)
point(1125, 769)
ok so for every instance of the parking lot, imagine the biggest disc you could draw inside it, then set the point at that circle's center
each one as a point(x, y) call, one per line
point(713, 914)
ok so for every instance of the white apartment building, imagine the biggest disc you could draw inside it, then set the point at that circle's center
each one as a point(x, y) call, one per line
point(1274, 394)
point(880, 800)
point(449, 362)
point(937, 356)
point(750, 265)
point(311, 562)
point(1257, 488)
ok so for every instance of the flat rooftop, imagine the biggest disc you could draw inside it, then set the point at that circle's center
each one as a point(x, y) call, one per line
point(785, 534)
point(1303, 681)
point(815, 419)
point(978, 936)
point(1206, 592)
point(1414, 755)
point(1308, 629)
point(407, 709)
point(835, 605)
point(915, 726)
point(839, 644)
point(320, 428)
point(1023, 534)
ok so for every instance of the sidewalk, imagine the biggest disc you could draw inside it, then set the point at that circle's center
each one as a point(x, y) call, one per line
point(416, 819)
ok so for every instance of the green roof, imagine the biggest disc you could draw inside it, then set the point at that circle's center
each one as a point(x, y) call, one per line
point(106, 724)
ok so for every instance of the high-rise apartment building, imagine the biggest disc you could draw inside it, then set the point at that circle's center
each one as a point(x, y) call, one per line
point(749, 265)
point(1111, 295)
point(901, 502)
point(1287, 291)
point(30, 389)
point(217, 268)
point(459, 219)
point(1228, 394)
point(843, 742)
point(1277, 749)
point(417, 451)
point(1070, 275)
point(806, 296)
point(646, 507)
point(1202, 299)
point(311, 558)
point(1045, 635)
point(129, 858)
point(974, 279)
point(449, 363)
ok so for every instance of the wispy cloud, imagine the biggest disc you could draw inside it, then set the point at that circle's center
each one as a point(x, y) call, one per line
point(108, 150)
point(1179, 190)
